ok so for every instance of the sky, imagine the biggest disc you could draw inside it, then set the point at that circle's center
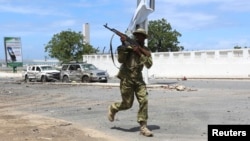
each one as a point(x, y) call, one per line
point(204, 24)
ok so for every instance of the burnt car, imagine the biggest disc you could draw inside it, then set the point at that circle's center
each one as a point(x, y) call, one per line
point(83, 72)
point(43, 73)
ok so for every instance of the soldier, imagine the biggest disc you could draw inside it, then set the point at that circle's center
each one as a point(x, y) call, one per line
point(132, 60)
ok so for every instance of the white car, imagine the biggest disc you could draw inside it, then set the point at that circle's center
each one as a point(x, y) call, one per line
point(43, 73)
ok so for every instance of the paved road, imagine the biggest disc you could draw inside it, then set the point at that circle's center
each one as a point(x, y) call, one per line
point(173, 115)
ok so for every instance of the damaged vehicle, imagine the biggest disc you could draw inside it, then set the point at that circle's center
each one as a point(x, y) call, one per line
point(83, 72)
point(42, 73)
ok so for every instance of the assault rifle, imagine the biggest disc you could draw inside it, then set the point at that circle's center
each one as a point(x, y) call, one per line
point(128, 40)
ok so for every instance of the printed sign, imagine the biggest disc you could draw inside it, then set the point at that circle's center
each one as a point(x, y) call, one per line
point(13, 51)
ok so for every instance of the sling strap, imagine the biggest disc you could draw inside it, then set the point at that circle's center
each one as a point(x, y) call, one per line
point(111, 51)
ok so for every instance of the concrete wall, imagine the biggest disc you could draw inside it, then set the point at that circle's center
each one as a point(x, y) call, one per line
point(233, 63)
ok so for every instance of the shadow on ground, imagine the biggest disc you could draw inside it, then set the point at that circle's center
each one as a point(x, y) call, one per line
point(136, 129)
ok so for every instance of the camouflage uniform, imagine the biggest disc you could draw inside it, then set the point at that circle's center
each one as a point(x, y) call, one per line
point(132, 83)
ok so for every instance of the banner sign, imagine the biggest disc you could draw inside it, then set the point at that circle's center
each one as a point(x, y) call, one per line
point(13, 51)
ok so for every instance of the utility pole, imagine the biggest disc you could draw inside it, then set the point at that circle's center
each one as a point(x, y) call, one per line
point(144, 25)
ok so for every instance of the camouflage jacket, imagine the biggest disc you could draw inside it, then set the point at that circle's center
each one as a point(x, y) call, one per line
point(131, 63)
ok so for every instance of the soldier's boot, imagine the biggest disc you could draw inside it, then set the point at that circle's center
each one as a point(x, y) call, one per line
point(111, 114)
point(144, 130)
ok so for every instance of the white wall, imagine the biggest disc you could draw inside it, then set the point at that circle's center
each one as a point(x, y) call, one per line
point(191, 64)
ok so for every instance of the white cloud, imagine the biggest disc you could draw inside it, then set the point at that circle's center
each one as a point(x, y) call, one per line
point(189, 2)
point(88, 3)
point(64, 23)
point(192, 20)
point(26, 8)
point(215, 44)
point(180, 18)
point(236, 6)
point(199, 14)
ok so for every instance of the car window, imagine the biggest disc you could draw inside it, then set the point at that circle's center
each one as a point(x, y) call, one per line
point(38, 69)
point(71, 67)
point(47, 68)
point(78, 67)
point(88, 67)
point(64, 67)
point(33, 68)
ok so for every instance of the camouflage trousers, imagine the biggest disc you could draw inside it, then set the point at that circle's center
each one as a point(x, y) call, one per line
point(130, 89)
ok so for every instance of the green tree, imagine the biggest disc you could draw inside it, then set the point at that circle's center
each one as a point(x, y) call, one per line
point(68, 46)
point(162, 38)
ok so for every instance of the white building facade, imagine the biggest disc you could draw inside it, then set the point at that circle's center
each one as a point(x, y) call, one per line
point(233, 63)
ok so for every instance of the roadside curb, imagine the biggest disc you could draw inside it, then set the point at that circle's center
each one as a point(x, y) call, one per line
point(107, 84)
point(150, 86)
point(10, 75)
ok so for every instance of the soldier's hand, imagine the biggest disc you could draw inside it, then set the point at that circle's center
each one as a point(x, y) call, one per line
point(137, 49)
point(123, 38)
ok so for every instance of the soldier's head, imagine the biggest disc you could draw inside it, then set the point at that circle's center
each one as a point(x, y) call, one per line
point(140, 34)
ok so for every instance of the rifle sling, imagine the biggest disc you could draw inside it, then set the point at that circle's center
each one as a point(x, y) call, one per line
point(111, 51)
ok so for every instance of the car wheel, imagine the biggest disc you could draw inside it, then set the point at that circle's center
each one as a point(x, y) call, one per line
point(44, 79)
point(26, 79)
point(85, 79)
point(65, 79)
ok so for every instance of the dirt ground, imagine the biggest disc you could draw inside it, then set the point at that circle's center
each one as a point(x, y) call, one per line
point(16, 125)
